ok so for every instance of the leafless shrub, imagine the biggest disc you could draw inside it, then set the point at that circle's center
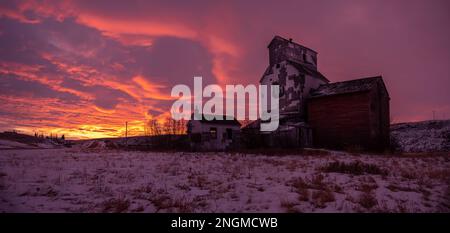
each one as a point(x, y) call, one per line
point(289, 206)
point(367, 187)
point(316, 182)
point(322, 192)
point(184, 187)
point(182, 206)
point(438, 174)
point(354, 168)
point(336, 188)
point(45, 191)
point(409, 175)
point(367, 200)
point(200, 181)
point(143, 192)
point(303, 194)
point(397, 188)
point(160, 201)
point(51, 193)
point(165, 202)
point(291, 166)
point(321, 197)
point(298, 183)
point(115, 205)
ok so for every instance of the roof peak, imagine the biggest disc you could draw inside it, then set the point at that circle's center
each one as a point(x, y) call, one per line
point(290, 40)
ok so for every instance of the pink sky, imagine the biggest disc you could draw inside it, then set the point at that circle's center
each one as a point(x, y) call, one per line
point(83, 68)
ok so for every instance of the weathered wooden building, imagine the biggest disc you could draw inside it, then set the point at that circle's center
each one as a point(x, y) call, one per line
point(206, 134)
point(315, 112)
point(353, 113)
point(294, 68)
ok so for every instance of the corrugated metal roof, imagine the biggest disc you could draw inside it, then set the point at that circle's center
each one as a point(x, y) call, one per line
point(351, 86)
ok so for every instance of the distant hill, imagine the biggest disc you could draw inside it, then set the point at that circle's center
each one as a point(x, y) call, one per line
point(424, 136)
point(13, 140)
point(136, 142)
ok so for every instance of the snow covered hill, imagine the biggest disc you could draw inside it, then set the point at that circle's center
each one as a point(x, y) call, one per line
point(13, 140)
point(425, 136)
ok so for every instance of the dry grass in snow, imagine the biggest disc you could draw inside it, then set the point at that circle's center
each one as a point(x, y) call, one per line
point(70, 180)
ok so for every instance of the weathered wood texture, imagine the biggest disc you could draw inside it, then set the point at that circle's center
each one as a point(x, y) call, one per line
point(351, 120)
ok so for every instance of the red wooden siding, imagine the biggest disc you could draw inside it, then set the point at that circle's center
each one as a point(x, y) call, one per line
point(346, 120)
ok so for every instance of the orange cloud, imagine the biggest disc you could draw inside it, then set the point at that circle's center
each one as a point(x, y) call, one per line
point(151, 90)
point(114, 27)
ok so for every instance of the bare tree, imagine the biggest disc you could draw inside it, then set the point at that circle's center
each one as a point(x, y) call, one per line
point(153, 128)
point(168, 127)
point(175, 127)
point(182, 126)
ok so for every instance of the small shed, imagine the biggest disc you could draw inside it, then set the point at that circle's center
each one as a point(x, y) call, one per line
point(348, 114)
point(215, 135)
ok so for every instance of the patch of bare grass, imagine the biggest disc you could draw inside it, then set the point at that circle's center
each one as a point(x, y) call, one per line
point(289, 206)
point(367, 200)
point(354, 168)
point(115, 205)
point(321, 197)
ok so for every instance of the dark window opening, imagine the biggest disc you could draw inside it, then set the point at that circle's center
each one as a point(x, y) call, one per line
point(213, 132)
point(278, 66)
point(304, 57)
point(229, 134)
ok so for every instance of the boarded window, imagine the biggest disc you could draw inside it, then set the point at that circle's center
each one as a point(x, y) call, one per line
point(213, 132)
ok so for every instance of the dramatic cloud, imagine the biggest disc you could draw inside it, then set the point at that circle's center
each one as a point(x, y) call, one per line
point(85, 67)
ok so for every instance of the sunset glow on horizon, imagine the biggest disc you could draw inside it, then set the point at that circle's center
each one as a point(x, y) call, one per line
point(84, 68)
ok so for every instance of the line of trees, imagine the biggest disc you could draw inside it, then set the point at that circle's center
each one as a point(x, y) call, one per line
point(168, 127)
point(51, 136)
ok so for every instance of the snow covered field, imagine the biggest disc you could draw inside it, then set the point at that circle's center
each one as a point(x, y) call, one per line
point(74, 180)
point(425, 136)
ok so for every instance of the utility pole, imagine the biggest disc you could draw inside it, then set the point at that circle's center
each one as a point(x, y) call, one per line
point(126, 133)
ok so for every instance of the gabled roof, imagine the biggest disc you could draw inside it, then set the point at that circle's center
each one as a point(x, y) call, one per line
point(345, 87)
point(279, 38)
point(219, 122)
point(301, 68)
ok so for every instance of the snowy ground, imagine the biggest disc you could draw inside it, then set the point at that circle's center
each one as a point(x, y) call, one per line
point(73, 180)
point(11, 144)
point(425, 136)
